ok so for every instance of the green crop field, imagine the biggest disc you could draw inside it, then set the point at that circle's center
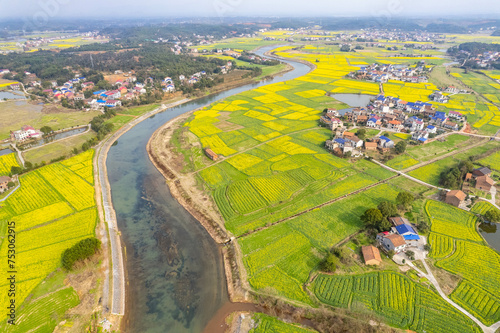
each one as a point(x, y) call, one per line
point(430, 173)
point(7, 162)
point(482, 207)
point(400, 301)
point(402, 162)
point(482, 304)
point(268, 324)
point(450, 221)
point(492, 161)
point(53, 209)
point(486, 263)
point(436, 148)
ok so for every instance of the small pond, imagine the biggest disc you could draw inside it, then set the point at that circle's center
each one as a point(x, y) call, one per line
point(354, 100)
point(491, 234)
point(5, 151)
point(11, 95)
point(56, 137)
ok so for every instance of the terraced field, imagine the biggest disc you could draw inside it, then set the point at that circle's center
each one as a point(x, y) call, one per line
point(53, 209)
point(267, 324)
point(402, 302)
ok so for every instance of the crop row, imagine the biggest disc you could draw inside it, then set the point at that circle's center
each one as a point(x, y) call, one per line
point(441, 245)
point(483, 305)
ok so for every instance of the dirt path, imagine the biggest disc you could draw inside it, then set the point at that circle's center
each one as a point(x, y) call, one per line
point(318, 206)
point(433, 280)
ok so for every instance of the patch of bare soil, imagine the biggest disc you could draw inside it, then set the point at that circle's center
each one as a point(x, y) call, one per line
point(85, 281)
point(52, 108)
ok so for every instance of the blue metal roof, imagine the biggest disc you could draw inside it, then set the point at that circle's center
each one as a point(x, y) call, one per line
point(411, 237)
point(431, 127)
point(339, 140)
point(422, 139)
point(405, 228)
point(373, 120)
point(384, 138)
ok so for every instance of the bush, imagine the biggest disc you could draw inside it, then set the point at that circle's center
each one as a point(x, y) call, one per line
point(81, 250)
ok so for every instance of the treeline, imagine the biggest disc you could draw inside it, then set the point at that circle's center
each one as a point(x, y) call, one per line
point(157, 61)
point(474, 48)
point(247, 57)
point(84, 249)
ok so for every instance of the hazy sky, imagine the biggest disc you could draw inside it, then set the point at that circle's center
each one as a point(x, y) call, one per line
point(44, 9)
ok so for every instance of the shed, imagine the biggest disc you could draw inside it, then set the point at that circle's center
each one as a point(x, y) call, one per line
point(371, 255)
point(455, 197)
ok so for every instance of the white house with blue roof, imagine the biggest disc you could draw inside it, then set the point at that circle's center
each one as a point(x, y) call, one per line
point(385, 142)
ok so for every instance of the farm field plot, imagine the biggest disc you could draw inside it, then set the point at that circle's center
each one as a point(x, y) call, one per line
point(53, 209)
point(7, 162)
point(483, 305)
point(430, 173)
point(493, 161)
point(436, 148)
point(268, 324)
point(43, 314)
point(394, 297)
point(281, 256)
point(482, 207)
point(402, 162)
point(486, 263)
point(450, 221)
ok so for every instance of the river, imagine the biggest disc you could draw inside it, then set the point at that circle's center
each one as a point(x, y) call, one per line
point(176, 279)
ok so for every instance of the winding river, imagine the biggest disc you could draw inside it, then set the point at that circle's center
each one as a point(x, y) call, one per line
point(176, 279)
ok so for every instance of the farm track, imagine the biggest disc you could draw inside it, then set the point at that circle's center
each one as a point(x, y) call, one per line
point(318, 206)
point(486, 329)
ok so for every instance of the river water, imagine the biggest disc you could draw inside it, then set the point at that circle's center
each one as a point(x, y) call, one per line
point(176, 280)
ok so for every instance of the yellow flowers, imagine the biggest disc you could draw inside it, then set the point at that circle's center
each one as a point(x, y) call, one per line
point(53, 209)
point(7, 162)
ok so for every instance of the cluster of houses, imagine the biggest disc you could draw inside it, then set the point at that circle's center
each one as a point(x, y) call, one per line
point(382, 73)
point(401, 236)
point(25, 133)
point(479, 179)
point(345, 141)
point(485, 59)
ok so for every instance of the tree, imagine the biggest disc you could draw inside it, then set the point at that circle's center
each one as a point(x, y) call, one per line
point(400, 147)
point(10, 184)
point(493, 215)
point(405, 199)
point(15, 170)
point(361, 133)
point(372, 217)
point(345, 48)
point(388, 209)
point(28, 165)
point(329, 264)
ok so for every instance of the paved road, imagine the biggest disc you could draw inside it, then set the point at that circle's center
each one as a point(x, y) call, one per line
point(432, 279)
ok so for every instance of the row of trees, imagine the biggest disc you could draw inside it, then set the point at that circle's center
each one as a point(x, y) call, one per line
point(377, 218)
point(82, 250)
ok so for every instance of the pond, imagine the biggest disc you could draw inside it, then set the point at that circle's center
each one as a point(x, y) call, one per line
point(354, 100)
point(491, 234)
point(5, 151)
point(54, 137)
point(11, 95)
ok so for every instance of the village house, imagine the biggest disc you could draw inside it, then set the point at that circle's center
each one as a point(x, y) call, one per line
point(398, 220)
point(370, 145)
point(15, 86)
point(451, 125)
point(374, 122)
point(455, 115)
point(484, 183)
point(4, 181)
point(210, 154)
point(481, 172)
point(455, 198)
point(407, 232)
point(26, 132)
point(395, 125)
point(392, 242)
point(385, 143)
point(371, 255)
